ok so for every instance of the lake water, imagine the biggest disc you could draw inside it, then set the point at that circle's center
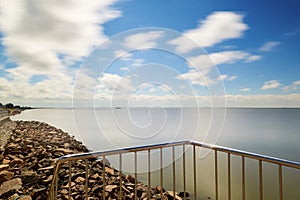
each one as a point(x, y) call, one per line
point(273, 132)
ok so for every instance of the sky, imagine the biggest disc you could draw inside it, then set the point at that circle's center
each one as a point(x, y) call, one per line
point(150, 53)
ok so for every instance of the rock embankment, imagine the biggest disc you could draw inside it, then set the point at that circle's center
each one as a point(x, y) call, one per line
point(6, 128)
point(28, 157)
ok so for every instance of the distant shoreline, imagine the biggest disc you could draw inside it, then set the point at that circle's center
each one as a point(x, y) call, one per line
point(120, 108)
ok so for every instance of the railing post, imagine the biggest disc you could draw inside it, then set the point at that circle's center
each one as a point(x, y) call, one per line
point(86, 178)
point(161, 173)
point(260, 181)
point(216, 175)
point(195, 173)
point(243, 178)
point(280, 182)
point(70, 179)
point(149, 174)
point(135, 175)
point(103, 177)
point(120, 174)
point(184, 172)
point(174, 172)
point(229, 176)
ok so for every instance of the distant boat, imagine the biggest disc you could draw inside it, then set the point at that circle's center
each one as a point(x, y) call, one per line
point(118, 107)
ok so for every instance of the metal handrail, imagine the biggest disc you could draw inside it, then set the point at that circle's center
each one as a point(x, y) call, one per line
point(215, 148)
point(237, 152)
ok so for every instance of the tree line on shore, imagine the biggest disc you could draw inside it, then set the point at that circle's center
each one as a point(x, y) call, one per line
point(12, 106)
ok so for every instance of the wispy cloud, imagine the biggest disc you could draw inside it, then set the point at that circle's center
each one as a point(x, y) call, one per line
point(294, 86)
point(226, 57)
point(293, 33)
point(269, 46)
point(225, 77)
point(123, 55)
point(217, 27)
point(246, 89)
point(271, 85)
point(205, 64)
point(252, 58)
point(143, 40)
point(231, 78)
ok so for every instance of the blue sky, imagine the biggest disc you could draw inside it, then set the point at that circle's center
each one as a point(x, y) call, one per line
point(250, 53)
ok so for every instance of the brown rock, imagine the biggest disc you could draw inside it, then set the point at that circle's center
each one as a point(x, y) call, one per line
point(6, 176)
point(130, 179)
point(64, 191)
point(170, 195)
point(95, 176)
point(26, 197)
point(125, 190)
point(13, 197)
point(105, 162)
point(16, 161)
point(10, 185)
point(67, 185)
point(6, 161)
point(46, 168)
point(65, 151)
point(110, 188)
point(48, 179)
point(4, 167)
point(109, 170)
point(28, 176)
point(79, 179)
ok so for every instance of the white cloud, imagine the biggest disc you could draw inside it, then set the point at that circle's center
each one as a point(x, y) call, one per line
point(217, 27)
point(54, 88)
point(231, 78)
point(263, 100)
point(165, 88)
point(196, 78)
point(113, 83)
point(224, 77)
point(138, 62)
point(269, 46)
point(124, 68)
point(123, 55)
point(143, 40)
point(152, 89)
point(271, 85)
point(37, 33)
point(253, 58)
point(294, 86)
point(204, 61)
point(245, 89)
point(41, 37)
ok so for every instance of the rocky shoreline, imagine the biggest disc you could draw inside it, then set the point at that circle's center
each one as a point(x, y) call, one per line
point(28, 153)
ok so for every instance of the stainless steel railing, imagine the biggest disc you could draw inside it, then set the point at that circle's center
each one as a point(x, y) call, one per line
point(216, 152)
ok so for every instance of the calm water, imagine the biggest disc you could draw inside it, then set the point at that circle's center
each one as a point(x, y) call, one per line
point(273, 132)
